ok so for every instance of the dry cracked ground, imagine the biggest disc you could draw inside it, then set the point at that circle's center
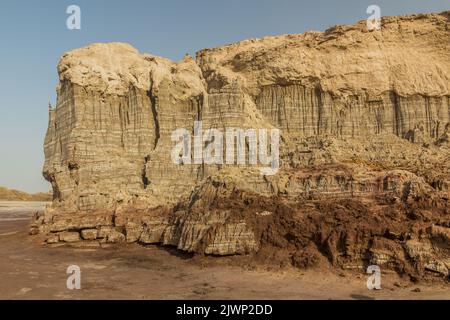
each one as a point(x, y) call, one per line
point(31, 270)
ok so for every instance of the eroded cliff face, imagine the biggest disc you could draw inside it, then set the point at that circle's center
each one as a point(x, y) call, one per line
point(364, 120)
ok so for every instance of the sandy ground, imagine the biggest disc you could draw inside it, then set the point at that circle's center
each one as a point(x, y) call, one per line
point(31, 270)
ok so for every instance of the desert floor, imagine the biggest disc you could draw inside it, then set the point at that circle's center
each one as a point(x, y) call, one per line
point(31, 270)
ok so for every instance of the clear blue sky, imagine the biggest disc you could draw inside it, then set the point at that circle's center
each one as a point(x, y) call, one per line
point(33, 36)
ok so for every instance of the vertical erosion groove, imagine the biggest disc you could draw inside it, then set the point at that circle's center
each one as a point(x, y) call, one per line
point(153, 105)
point(318, 93)
point(145, 180)
point(398, 121)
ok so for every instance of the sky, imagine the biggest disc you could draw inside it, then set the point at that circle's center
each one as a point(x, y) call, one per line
point(33, 36)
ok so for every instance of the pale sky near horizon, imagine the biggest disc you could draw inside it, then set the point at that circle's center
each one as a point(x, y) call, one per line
point(33, 36)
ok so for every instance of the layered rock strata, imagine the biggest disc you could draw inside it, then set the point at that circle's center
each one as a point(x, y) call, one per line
point(364, 118)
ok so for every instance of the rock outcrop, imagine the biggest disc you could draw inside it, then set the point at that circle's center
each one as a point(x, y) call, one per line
point(364, 118)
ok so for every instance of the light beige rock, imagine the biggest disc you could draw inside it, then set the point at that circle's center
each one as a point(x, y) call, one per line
point(152, 234)
point(115, 236)
point(69, 236)
point(361, 114)
point(89, 234)
point(52, 238)
point(79, 221)
point(103, 232)
point(133, 231)
point(236, 238)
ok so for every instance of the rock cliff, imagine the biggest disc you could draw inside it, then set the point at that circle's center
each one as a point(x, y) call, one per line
point(364, 172)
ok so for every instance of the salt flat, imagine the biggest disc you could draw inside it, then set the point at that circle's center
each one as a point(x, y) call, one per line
point(19, 210)
point(23, 205)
